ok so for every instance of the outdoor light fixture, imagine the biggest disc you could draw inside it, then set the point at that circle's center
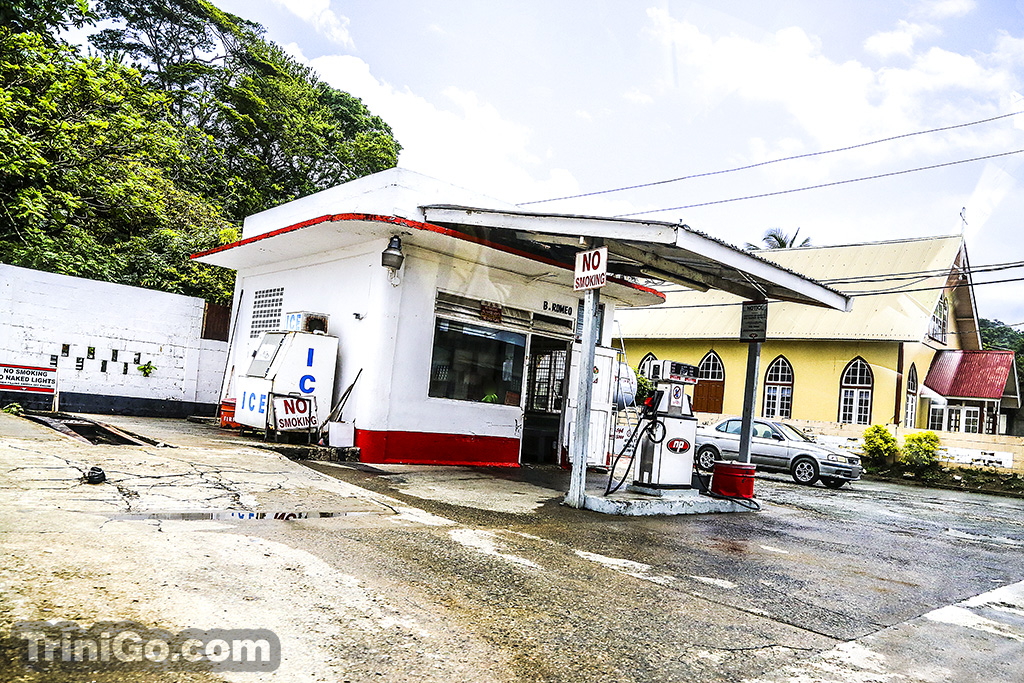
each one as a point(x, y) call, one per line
point(392, 257)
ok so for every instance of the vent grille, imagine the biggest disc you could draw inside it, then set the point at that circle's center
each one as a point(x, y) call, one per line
point(266, 311)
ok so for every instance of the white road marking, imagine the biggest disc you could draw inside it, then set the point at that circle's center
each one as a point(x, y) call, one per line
point(721, 583)
point(772, 549)
point(637, 570)
point(486, 543)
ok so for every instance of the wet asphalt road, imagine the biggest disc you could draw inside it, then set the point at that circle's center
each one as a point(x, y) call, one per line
point(562, 594)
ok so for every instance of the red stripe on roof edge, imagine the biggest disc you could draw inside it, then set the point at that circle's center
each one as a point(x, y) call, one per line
point(414, 225)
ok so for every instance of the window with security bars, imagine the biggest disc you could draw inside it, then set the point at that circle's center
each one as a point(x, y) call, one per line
point(711, 367)
point(547, 372)
point(266, 311)
point(855, 393)
point(778, 390)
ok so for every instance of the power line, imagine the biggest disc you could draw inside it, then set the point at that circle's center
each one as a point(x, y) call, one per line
point(910, 275)
point(662, 307)
point(901, 275)
point(766, 163)
point(818, 187)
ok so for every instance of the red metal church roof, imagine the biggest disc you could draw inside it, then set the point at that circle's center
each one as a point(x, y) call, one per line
point(970, 374)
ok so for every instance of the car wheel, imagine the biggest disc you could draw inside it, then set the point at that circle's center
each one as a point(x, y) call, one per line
point(834, 483)
point(706, 457)
point(804, 471)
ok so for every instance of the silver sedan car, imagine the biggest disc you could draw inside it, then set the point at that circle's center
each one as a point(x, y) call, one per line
point(777, 446)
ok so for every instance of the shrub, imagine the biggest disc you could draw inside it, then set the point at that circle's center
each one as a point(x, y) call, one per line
point(920, 451)
point(880, 445)
point(14, 409)
point(644, 388)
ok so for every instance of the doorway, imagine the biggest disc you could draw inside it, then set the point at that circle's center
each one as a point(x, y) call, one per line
point(545, 398)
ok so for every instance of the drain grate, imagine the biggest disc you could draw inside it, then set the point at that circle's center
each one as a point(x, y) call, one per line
point(89, 431)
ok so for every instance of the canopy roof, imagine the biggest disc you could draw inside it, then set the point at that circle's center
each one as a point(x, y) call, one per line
point(403, 203)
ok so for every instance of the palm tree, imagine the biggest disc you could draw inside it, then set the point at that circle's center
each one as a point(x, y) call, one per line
point(775, 238)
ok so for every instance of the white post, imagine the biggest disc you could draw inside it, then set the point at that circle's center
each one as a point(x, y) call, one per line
point(578, 447)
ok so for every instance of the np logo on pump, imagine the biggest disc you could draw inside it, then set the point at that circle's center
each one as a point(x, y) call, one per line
point(678, 445)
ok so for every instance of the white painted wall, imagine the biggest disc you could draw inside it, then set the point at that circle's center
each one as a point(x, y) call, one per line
point(391, 340)
point(340, 284)
point(43, 311)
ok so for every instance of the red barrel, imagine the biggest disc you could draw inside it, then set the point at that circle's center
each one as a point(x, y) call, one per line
point(733, 479)
point(227, 414)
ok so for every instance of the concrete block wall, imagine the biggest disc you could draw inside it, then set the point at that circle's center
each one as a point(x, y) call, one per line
point(97, 334)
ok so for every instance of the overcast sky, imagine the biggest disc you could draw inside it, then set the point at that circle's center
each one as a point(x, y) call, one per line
point(529, 100)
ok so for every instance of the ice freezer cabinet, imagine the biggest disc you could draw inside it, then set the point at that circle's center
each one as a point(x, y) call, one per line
point(288, 366)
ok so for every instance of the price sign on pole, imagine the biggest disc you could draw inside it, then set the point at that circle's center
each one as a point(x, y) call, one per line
point(754, 322)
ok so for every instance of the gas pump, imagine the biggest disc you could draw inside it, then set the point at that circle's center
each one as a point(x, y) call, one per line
point(665, 457)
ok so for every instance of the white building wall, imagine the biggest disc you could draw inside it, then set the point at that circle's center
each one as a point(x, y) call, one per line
point(44, 312)
point(346, 285)
point(387, 331)
point(424, 274)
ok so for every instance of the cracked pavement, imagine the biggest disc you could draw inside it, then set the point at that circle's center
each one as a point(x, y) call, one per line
point(463, 574)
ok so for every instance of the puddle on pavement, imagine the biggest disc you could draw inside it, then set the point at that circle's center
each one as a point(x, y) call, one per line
point(235, 515)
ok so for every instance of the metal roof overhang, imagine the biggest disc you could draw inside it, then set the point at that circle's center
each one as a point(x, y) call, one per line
point(664, 251)
point(333, 232)
point(548, 243)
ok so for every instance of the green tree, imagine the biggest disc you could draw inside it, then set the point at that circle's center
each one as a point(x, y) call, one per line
point(269, 129)
point(88, 160)
point(776, 238)
point(997, 335)
point(44, 16)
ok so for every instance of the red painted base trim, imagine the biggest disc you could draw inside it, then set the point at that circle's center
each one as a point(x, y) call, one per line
point(421, 448)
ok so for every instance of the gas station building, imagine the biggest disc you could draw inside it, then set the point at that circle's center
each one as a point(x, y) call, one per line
point(456, 322)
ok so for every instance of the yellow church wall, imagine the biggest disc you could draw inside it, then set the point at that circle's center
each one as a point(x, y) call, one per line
point(817, 369)
point(920, 355)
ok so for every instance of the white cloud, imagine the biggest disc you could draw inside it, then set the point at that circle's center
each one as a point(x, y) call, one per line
point(899, 41)
point(319, 14)
point(466, 141)
point(841, 103)
point(945, 9)
point(992, 188)
point(294, 50)
point(637, 96)
point(1009, 50)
